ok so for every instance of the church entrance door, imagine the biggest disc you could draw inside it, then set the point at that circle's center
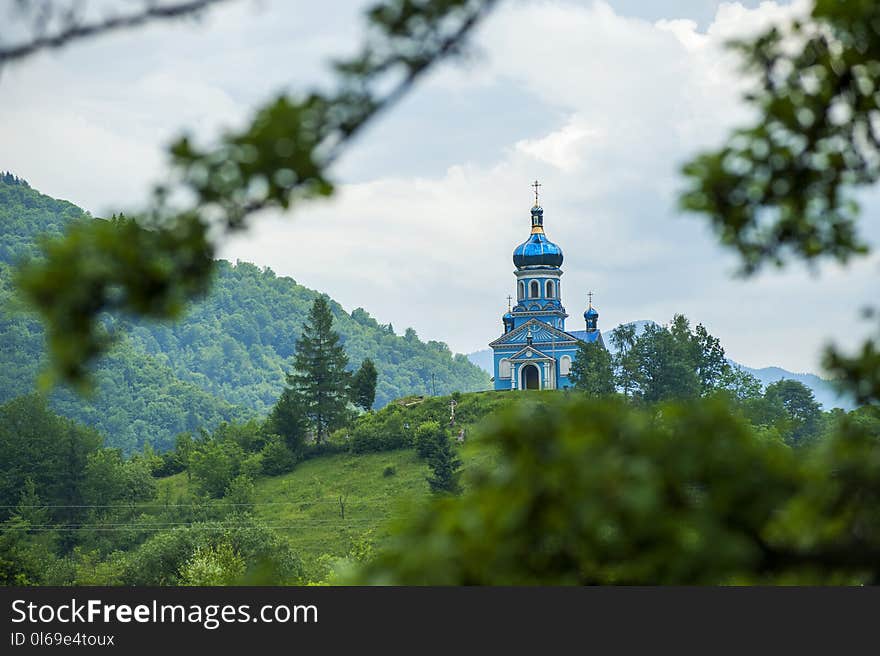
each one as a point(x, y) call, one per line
point(531, 377)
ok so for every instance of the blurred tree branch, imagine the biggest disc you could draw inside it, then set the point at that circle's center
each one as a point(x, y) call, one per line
point(784, 188)
point(72, 26)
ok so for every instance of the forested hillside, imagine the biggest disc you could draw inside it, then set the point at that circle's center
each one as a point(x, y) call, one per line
point(225, 359)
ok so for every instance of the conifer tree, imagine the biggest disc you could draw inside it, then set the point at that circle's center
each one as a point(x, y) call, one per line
point(444, 466)
point(319, 380)
point(363, 385)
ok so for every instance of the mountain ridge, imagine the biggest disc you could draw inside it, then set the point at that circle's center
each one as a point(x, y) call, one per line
point(225, 359)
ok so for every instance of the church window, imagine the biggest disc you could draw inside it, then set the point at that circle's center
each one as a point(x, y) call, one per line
point(521, 290)
point(534, 289)
point(564, 365)
point(504, 368)
point(550, 293)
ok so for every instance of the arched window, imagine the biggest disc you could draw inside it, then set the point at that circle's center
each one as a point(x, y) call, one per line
point(504, 368)
point(564, 365)
point(549, 293)
point(520, 291)
point(534, 289)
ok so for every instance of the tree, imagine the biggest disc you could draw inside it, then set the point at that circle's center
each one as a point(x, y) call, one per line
point(665, 366)
point(625, 366)
point(214, 464)
point(801, 406)
point(672, 362)
point(592, 370)
point(428, 436)
point(783, 188)
point(444, 464)
point(277, 457)
point(320, 382)
point(363, 385)
point(288, 419)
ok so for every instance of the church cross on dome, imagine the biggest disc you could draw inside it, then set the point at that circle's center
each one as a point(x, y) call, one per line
point(536, 185)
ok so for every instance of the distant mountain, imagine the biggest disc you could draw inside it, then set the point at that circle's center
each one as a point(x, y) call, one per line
point(225, 359)
point(823, 390)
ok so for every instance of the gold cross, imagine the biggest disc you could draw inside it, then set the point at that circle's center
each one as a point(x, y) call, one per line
point(536, 185)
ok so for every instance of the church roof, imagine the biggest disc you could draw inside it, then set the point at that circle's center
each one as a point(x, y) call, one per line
point(588, 336)
point(542, 333)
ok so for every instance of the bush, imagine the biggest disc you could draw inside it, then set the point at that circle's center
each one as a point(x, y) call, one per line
point(428, 436)
point(389, 471)
point(277, 457)
point(381, 431)
point(214, 464)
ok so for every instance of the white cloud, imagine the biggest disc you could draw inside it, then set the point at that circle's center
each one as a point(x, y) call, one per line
point(602, 108)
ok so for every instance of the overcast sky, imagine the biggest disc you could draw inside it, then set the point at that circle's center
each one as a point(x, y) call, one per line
point(601, 101)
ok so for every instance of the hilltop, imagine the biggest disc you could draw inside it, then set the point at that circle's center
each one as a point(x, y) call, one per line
point(824, 390)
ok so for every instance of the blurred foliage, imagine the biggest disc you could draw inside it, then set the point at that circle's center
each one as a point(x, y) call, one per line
point(599, 492)
point(784, 188)
point(50, 24)
point(153, 263)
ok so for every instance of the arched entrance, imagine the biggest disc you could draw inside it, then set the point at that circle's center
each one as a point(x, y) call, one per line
point(531, 378)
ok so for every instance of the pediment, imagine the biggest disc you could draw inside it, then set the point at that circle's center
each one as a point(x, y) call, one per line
point(529, 354)
point(542, 333)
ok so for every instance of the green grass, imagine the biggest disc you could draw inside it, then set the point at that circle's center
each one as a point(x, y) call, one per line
point(330, 504)
point(304, 505)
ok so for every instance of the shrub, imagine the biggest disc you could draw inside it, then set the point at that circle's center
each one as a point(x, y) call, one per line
point(277, 457)
point(428, 436)
point(389, 471)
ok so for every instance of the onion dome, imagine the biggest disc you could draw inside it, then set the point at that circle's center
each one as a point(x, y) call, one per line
point(591, 316)
point(538, 250)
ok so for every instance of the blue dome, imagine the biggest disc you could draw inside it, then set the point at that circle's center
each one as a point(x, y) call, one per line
point(509, 315)
point(591, 312)
point(537, 251)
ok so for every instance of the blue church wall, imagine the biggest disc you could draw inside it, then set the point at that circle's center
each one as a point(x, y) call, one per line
point(544, 343)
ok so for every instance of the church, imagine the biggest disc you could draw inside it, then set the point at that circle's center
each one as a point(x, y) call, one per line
point(535, 351)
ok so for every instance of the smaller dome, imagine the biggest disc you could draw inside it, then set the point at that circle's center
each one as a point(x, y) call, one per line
point(509, 315)
point(591, 312)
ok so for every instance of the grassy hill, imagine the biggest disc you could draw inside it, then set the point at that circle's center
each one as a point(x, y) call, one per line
point(306, 506)
point(329, 505)
point(226, 359)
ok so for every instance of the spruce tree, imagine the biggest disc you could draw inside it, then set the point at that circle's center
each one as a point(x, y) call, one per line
point(363, 385)
point(319, 380)
point(444, 466)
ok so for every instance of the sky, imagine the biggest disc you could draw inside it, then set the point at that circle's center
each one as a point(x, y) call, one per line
point(600, 101)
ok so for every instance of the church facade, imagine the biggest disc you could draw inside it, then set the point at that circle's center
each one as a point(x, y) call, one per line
point(535, 351)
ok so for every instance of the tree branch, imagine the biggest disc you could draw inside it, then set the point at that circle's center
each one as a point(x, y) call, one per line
point(75, 32)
